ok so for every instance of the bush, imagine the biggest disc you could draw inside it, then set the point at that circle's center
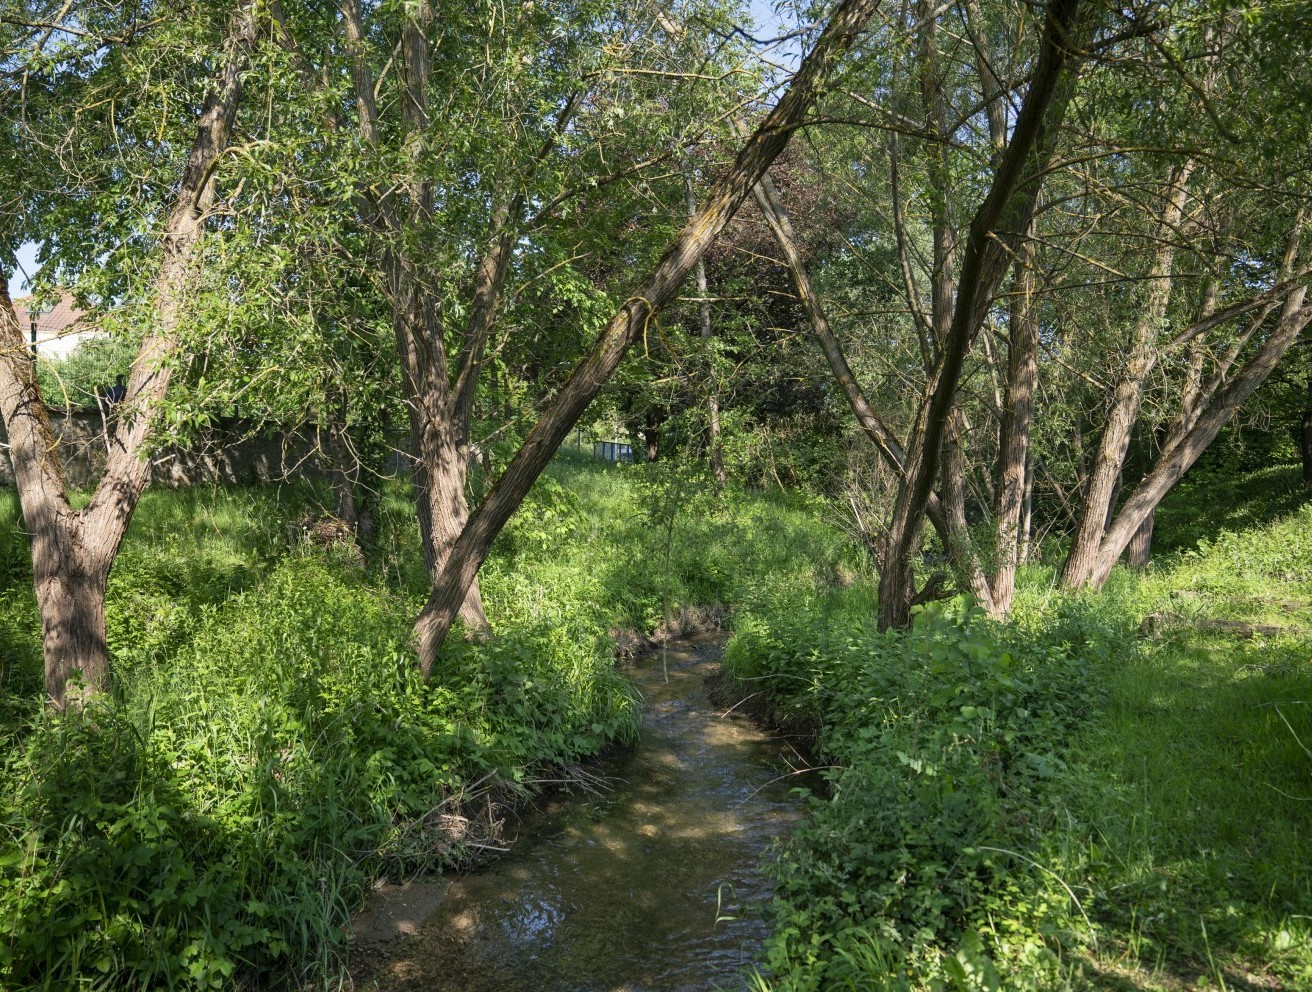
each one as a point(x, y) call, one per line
point(225, 819)
point(908, 874)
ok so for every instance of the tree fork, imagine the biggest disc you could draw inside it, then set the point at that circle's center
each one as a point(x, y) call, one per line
point(1000, 220)
point(73, 551)
point(1100, 495)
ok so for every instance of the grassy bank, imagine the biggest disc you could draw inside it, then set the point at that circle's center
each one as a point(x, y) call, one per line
point(269, 750)
point(1057, 802)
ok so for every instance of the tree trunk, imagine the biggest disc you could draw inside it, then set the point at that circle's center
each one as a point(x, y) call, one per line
point(446, 511)
point(1141, 544)
point(1027, 525)
point(995, 232)
point(343, 464)
point(73, 551)
point(1014, 438)
point(1181, 456)
point(1306, 437)
point(885, 442)
point(715, 453)
point(70, 593)
point(1100, 494)
point(1139, 549)
point(440, 406)
point(651, 434)
point(560, 415)
point(961, 549)
point(942, 288)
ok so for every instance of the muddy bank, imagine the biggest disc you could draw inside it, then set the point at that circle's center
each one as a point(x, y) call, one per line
point(655, 883)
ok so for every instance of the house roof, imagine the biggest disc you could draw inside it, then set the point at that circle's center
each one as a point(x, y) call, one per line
point(59, 319)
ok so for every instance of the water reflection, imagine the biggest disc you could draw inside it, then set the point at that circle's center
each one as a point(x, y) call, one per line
point(653, 886)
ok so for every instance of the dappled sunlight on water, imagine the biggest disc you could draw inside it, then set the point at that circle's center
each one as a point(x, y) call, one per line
point(656, 884)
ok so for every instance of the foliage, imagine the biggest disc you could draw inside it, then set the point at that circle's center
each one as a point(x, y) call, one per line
point(85, 376)
point(1054, 802)
point(270, 749)
point(1222, 497)
point(943, 740)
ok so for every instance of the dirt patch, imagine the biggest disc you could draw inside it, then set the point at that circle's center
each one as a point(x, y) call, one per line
point(397, 910)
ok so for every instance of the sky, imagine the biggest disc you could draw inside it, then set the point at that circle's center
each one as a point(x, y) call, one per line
point(26, 263)
point(768, 23)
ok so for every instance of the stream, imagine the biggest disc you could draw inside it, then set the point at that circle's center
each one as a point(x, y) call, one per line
point(656, 884)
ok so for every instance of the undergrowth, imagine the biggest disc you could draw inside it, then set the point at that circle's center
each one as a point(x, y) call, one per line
point(1057, 802)
point(269, 750)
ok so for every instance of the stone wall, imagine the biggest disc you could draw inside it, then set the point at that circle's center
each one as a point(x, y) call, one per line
point(233, 450)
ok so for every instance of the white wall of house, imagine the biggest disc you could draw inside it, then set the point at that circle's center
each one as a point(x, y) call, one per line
point(59, 345)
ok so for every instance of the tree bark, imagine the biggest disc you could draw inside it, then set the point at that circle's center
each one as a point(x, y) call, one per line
point(343, 474)
point(1014, 438)
point(960, 546)
point(472, 547)
point(996, 230)
point(1139, 550)
point(1141, 543)
point(73, 550)
point(1027, 521)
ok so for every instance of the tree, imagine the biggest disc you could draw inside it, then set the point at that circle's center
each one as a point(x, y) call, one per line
point(73, 550)
point(644, 302)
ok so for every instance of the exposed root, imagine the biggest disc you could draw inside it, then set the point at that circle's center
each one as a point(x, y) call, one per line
point(574, 778)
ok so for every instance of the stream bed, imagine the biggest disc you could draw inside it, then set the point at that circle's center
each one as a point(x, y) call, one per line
point(655, 884)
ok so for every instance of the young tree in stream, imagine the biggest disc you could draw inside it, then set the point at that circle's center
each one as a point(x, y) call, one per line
point(59, 78)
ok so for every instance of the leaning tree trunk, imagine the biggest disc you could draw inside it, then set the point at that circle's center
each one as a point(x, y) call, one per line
point(1100, 493)
point(1180, 457)
point(1139, 550)
point(73, 550)
point(714, 450)
point(885, 442)
point(1140, 547)
point(628, 325)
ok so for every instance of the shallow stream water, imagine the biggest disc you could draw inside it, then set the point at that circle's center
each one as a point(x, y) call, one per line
point(656, 884)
